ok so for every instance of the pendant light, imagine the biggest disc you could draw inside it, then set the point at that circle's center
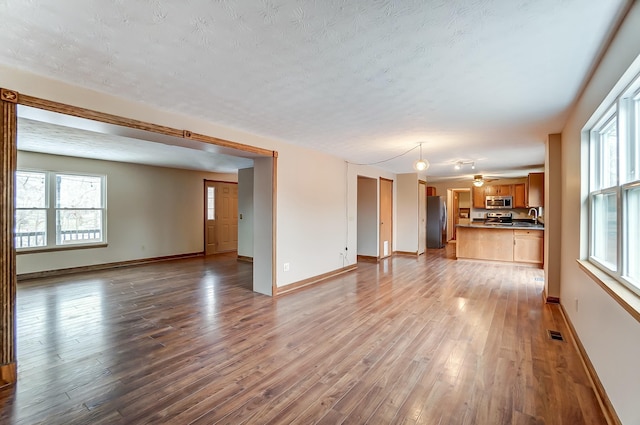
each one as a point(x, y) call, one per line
point(478, 181)
point(421, 164)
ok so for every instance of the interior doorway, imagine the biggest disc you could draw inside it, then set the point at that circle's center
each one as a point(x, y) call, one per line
point(459, 201)
point(367, 211)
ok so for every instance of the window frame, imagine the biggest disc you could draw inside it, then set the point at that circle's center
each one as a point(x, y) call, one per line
point(625, 111)
point(52, 209)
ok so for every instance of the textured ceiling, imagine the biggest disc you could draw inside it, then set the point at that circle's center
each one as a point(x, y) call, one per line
point(480, 80)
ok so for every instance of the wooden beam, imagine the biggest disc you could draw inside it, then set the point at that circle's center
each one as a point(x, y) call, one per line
point(8, 159)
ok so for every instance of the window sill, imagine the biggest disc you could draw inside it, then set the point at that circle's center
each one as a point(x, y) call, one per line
point(620, 293)
point(59, 248)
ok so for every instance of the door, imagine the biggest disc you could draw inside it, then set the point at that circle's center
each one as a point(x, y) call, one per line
point(221, 234)
point(386, 217)
point(422, 217)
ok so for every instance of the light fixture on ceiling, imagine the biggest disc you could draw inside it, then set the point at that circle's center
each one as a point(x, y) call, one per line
point(421, 164)
point(460, 164)
point(478, 181)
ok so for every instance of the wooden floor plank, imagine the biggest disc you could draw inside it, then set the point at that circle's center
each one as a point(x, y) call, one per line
point(427, 340)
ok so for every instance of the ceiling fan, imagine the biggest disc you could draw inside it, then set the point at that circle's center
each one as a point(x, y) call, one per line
point(479, 180)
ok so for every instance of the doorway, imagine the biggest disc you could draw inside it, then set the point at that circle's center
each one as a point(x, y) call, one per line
point(367, 210)
point(460, 201)
point(386, 218)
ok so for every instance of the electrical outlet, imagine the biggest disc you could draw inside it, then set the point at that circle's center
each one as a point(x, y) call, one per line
point(285, 267)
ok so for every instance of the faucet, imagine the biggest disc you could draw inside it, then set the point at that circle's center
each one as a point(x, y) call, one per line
point(535, 214)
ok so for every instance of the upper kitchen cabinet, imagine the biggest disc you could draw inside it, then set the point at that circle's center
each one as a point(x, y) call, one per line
point(497, 190)
point(478, 197)
point(520, 195)
point(536, 190)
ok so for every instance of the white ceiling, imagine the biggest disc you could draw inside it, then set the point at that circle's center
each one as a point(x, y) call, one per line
point(475, 80)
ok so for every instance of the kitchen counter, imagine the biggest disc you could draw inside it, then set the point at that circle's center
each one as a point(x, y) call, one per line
point(520, 242)
point(515, 225)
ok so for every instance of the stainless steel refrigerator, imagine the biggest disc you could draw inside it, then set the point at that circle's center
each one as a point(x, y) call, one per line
point(436, 221)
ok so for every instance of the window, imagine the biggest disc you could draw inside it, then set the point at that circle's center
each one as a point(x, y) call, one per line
point(211, 203)
point(31, 209)
point(58, 209)
point(614, 190)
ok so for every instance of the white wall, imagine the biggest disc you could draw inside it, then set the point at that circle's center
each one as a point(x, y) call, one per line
point(368, 217)
point(312, 222)
point(151, 212)
point(464, 199)
point(245, 209)
point(552, 215)
point(407, 218)
point(263, 225)
point(609, 334)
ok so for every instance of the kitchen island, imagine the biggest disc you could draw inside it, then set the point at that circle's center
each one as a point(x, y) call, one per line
point(515, 243)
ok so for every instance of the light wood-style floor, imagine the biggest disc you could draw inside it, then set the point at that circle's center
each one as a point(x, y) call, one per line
point(412, 341)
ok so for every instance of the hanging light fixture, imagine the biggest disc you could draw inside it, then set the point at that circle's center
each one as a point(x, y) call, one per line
point(478, 181)
point(421, 164)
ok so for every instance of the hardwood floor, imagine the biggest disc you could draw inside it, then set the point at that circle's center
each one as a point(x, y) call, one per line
point(412, 341)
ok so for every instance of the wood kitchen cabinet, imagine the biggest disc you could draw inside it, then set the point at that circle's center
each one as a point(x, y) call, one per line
point(536, 190)
point(490, 190)
point(528, 246)
point(497, 190)
point(519, 195)
point(477, 195)
point(524, 246)
point(485, 244)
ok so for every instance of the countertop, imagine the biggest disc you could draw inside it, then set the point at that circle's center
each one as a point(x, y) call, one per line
point(515, 225)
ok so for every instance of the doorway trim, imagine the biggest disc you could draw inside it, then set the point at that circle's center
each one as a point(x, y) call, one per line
point(9, 99)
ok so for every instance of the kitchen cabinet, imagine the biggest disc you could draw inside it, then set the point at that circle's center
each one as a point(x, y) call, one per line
point(485, 244)
point(477, 195)
point(525, 246)
point(431, 191)
point(528, 246)
point(519, 195)
point(536, 190)
point(497, 190)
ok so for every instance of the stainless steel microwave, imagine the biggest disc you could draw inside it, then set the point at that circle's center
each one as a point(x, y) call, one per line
point(498, 202)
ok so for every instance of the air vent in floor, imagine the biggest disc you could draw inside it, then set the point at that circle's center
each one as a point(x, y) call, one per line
point(555, 335)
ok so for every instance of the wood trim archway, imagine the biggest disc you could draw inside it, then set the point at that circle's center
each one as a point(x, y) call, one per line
point(9, 100)
point(8, 160)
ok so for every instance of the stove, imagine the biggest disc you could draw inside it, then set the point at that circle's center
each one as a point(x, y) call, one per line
point(499, 218)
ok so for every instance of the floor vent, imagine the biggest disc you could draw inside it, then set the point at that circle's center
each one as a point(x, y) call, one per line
point(555, 335)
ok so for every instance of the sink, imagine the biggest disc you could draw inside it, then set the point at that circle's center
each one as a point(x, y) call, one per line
point(527, 224)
